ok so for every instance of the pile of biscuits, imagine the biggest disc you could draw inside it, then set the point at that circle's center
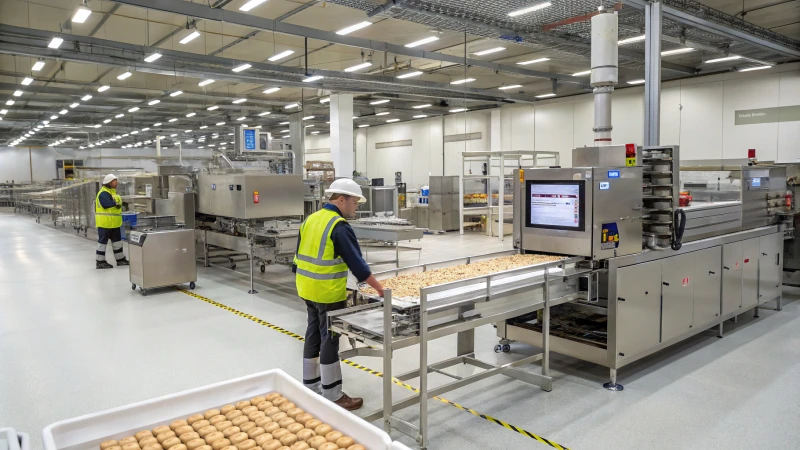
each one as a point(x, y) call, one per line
point(408, 285)
point(269, 422)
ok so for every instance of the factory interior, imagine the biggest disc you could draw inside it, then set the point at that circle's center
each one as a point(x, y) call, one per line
point(524, 224)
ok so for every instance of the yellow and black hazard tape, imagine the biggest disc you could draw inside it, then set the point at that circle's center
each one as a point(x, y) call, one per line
point(378, 374)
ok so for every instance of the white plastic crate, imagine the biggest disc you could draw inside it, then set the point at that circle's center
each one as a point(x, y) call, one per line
point(396, 445)
point(9, 439)
point(87, 432)
point(24, 441)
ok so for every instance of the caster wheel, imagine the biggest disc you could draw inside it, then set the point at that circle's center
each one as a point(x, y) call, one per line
point(191, 285)
point(263, 268)
point(233, 266)
point(144, 292)
point(133, 287)
point(506, 348)
point(498, 348)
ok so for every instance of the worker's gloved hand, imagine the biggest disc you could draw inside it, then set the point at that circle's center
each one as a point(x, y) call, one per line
point(125, 206)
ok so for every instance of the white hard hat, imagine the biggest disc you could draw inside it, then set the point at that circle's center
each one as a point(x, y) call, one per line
point(109, 178)
point(346, 186)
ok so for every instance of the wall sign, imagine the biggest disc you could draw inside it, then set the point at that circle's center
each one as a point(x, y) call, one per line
point(767, 115)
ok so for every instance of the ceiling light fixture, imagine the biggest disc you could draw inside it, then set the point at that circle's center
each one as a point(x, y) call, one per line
point(239, 100)
point(17, 93)
point(489, 51)
point(86, 98)
point(580, 74)
point(379, 102)
point(154, 102)
point(426, 105)
point(545, 95)
point(529, 9)
point(242, 118)
point(241, 67)
point(124, 76)
point(203, 127)
point(292, 105)
point(191, 114)
point(312, 78)
point(250, 5)
point(53, 117)
point(152, 57)
point(513, 86)
point(103, 88)
point(382, 113)
point(308, 117)
point(37, 66)
point(145, 129)
point(212, 108)
point(219, 124)
point(351, 28)
point(748, 69)
point(157, 124)
point(172, 120)
point(265, 113)
point(363, 65)
point(636, 82)
point(410, 74)
point(631, 40)
point(726, 58)
point(315, 132)
point(677, 51)
point(392, 120)
point(26, 81)
point(119, 115)
point(465, 80)
point(134, 109)
point(55, 42)
point(458, 110)
point(325, 100)
point(363, 126)
point(63, 111)
point(176, 93)
point(205, 82)
point(271, 90)
point(284, 123)
point(421, 116)
point(280, 55)
point(533, 61)
point(422, 41)
point(190, 37)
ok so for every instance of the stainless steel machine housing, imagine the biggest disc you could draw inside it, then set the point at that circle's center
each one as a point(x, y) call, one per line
point(250, 195)
point(162, 257)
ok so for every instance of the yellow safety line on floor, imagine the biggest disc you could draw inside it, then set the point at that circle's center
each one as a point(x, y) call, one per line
point(378, 374)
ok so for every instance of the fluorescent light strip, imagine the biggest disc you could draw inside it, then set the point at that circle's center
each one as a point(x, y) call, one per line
point(241, 67)
point(26, 81)
point(205, 82)
point(631, 40)
point(37, 66)
point(636, 82)
point(152, 57)
point(134, 109)
point(489, 51)
point(382, 113)
point(677, 51)
point(86, 97)
point(81, 14)
point(55, 42)
point(265, 113)
point(219, 124)
point(422, 41)
point(242, 118)
point(172, 120)
point(103, 88)
point(513, 86)
point(546, 95)
point(458, 110)
point(17, 93)
point(363, 126)
point(308, 117)
point(421, 116)
point(271, 90)
point(325, 100)
point(726, 58)
point(533, 61)
point(153, 102)
point(580, 74)
point(529, 9)
point(313, 78)
point(251, 4)
point(352, 28)
point(426, 105)
point(392, 120)
point(748, 69)
point(212, 108)
point(415, 73)
point(124, 76)
point(176, 93)
point(191, 114)
point(280, 55)
point(239, 100)
point(190, 37)
point(363, 65)
point(465, 80)
point(293, 105)
point(379, 102)
point(74, 105)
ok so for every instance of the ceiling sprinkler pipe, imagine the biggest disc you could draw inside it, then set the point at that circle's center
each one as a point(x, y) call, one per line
point(605, 57)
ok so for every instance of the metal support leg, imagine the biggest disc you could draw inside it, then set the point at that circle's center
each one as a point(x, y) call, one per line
point(721, 331)
point(423, 376)
point(546, 325)
point(465, 340)
point(252, 268)
point(755, 312)
point(205, 249)
point(397, 254)
point(387, 360)
point(613, 386)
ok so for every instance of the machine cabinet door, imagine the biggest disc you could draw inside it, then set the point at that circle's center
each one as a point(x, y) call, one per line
point(750, 257)
point(732, 268)
point(707, 285)
point(769, 267)
point(638, 307)
point(677, 295)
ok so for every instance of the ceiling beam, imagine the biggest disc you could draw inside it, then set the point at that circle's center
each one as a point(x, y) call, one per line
point(247, 20)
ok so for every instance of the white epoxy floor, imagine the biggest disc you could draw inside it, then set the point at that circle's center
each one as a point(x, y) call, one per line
point(74, 340)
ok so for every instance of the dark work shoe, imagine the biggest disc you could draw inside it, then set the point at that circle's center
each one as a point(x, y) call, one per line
point(103, 265)
point(350, 403)
point(123, 262)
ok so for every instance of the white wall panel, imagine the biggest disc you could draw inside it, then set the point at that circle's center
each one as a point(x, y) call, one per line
point(670, 115)
point(749, 93)
point(701, 121)
point(555, 125)
point(627, 117)
point(789, 132)
point(522, 129)
point(582, 133)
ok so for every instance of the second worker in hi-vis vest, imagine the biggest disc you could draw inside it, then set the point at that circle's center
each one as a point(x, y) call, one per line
point(326, 249)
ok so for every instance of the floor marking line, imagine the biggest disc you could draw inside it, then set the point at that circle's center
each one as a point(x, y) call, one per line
point(354, 364)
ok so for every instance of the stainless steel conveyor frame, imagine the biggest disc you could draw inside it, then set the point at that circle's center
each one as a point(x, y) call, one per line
point(457, 308)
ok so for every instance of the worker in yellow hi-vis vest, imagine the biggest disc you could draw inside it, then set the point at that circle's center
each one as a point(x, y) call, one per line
point(108, 220)
point(326, 249)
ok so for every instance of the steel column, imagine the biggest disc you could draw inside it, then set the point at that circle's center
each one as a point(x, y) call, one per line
point(652, 73)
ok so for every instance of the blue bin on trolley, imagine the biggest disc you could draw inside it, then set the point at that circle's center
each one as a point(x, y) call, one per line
point(129, 220)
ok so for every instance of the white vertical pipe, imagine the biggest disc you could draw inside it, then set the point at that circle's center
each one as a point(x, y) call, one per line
point(605, 56)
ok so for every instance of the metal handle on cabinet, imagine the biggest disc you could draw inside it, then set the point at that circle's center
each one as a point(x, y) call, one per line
point(712, 273)
point(665, 283)
point(763, 254)
point(620, 299)
point(726, 267)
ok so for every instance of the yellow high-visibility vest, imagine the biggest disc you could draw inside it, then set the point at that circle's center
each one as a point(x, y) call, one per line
point(108, 217)
point(321, 277)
